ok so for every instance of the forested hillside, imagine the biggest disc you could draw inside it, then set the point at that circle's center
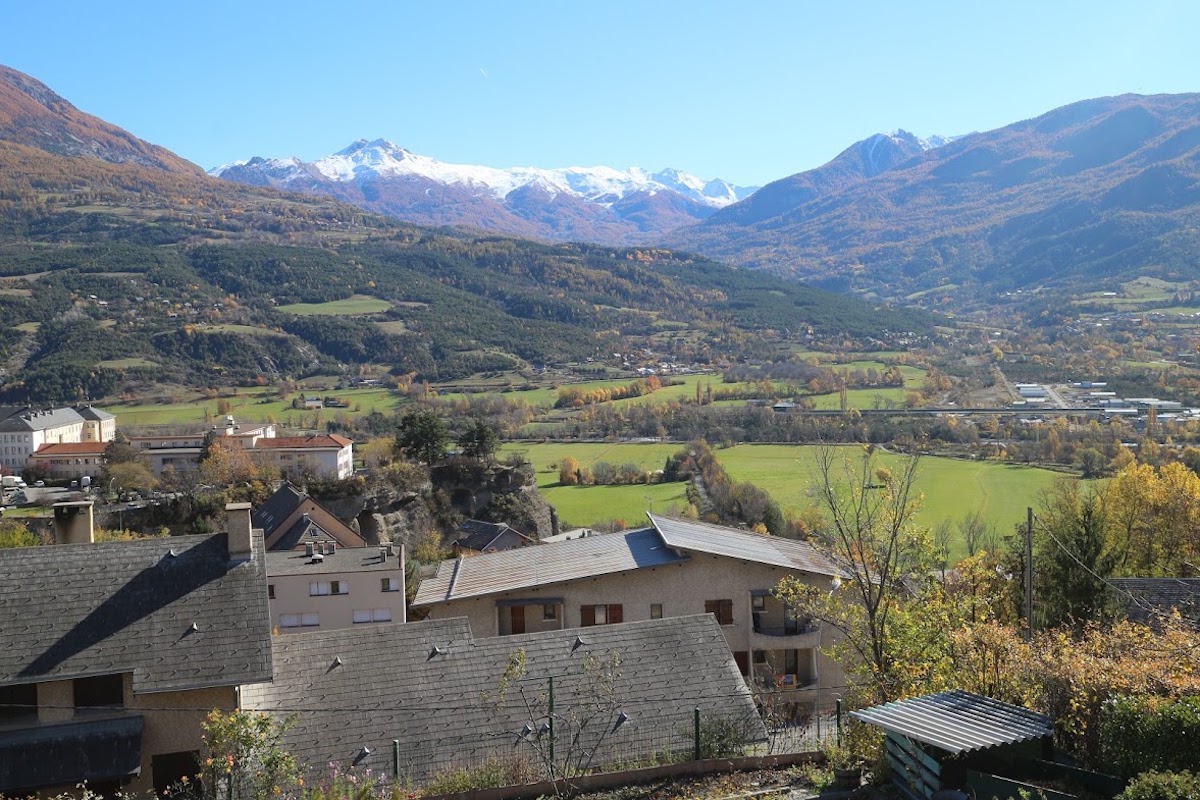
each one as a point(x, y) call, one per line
point(116, 274)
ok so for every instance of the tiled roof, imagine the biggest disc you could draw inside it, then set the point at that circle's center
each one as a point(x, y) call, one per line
point(721, 541)
point(525, 567)
point(72, 449)
point(40, 420)
point(345, 559)
point(434, 688)
point(282, 442)
point(481, 534)
point(93, 413)
point(1154, 597)
point(958, 721)
point(96, 609)
point(279, 507)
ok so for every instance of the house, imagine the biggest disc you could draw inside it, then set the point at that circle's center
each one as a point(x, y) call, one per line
point(114, 652)
point(291, 519)
point(488, 537)
point(329, 455)
point(22, 433)
point(98, 424)
point(669, 569)
point(1152, 600)
point(69, 460)
point(411, 701)
point(324, 587)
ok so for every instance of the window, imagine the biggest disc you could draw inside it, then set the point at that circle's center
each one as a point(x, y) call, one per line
point(322, 588)
point(656, 611)
point(721, 609)
point(18, 702)
point(760, 602)
point(362, 615)
point(270, 591)
point(102, 690)
point(389, 584)
point(609, 614)
point(310, 620)
point(549, 611)
point(289, 620)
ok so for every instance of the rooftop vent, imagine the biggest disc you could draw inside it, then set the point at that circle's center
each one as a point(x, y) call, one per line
point(578, 644)
point(437, 651)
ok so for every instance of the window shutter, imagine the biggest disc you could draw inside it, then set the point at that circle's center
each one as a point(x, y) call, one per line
point(726, 615)
point(616, 613)
point(587, 616)
point(713, 607)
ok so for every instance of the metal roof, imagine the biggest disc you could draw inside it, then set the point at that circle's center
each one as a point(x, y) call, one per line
point(525, 567)
point(701, 537)
point(958, 721)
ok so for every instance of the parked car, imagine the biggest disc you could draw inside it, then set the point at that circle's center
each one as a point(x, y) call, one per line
point(39, 484)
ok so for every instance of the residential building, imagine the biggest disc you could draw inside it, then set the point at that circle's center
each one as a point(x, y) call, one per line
point(427, 695)
point(68, 461)
point(291, 520)
point(324, 587)
point(114, 652)
point(22, 433)
point(670, 568)
point(327, 455)
point(98, 424)
point(488, 537)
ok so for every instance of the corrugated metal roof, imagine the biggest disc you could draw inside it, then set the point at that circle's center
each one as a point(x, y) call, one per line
point(526, 567)
point(718, 540)
point(958, 721)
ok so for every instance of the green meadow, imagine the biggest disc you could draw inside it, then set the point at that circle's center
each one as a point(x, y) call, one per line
point(951, 488)
point(357, 304)
point(254, 405)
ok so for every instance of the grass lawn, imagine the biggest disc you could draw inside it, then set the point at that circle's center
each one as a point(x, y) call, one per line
point(125, 363)
point(953, 488)
point(254, 405)
point(356, 304)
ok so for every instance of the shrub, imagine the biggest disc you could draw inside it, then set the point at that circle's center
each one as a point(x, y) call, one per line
point(1142, 732)
point(1163, 786)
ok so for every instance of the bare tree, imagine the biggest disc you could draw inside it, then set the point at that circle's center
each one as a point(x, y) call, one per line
point(871, 535)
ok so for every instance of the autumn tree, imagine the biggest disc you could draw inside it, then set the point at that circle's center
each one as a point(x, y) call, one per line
point(128, 476)
point(871, 535)
point(227, 464)
point(569, 471)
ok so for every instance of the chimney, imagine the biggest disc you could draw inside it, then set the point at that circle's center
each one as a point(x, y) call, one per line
point(237, 524)
point(383, 554)
point(74, 523)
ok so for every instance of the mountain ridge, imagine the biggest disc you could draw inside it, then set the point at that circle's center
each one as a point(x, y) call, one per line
point(599, 204)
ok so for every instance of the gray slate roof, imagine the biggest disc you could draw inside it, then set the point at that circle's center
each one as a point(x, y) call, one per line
point(279, 506)
point(668, 542)
point(345, 559)
point(718, 540)
point(93, 413)
point(556, 562)
point(1154, 597)
point(958, 721)
point(40, 420)
point(478, 534)
point(95, 609)
point(355, 690)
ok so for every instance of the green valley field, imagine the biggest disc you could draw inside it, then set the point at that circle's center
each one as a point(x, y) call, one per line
point(952, 488)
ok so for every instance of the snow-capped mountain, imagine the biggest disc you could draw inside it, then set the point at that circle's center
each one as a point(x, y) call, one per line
point(591, 203)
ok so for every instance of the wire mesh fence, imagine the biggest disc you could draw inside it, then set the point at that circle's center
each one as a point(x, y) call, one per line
point(580, 740)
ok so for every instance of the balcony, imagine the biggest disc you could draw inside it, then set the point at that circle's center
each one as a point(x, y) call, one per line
point(92, 748)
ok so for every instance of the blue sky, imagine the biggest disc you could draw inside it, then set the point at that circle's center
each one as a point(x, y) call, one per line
point(748, 93)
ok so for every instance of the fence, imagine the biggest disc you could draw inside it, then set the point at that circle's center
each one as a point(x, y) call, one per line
point(600, 738)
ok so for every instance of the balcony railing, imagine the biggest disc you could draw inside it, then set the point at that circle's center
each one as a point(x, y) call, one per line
point(798, 628)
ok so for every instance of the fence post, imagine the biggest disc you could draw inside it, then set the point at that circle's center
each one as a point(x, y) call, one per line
point(696, 734)
point(396, 760)
point(839, 722)
point(551, 731)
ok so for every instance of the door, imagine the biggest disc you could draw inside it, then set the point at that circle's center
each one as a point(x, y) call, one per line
point(518, 619)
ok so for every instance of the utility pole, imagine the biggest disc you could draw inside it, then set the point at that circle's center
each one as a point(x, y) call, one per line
point(1029, 575)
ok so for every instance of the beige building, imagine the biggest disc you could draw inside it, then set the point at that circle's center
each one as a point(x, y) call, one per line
point(325, 587)
point(672, 568)
point(24, 432)
point(67, 461)
point(114, 652)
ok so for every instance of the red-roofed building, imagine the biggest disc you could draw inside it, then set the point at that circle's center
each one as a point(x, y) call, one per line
point(72, 460)
point(331, 455)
